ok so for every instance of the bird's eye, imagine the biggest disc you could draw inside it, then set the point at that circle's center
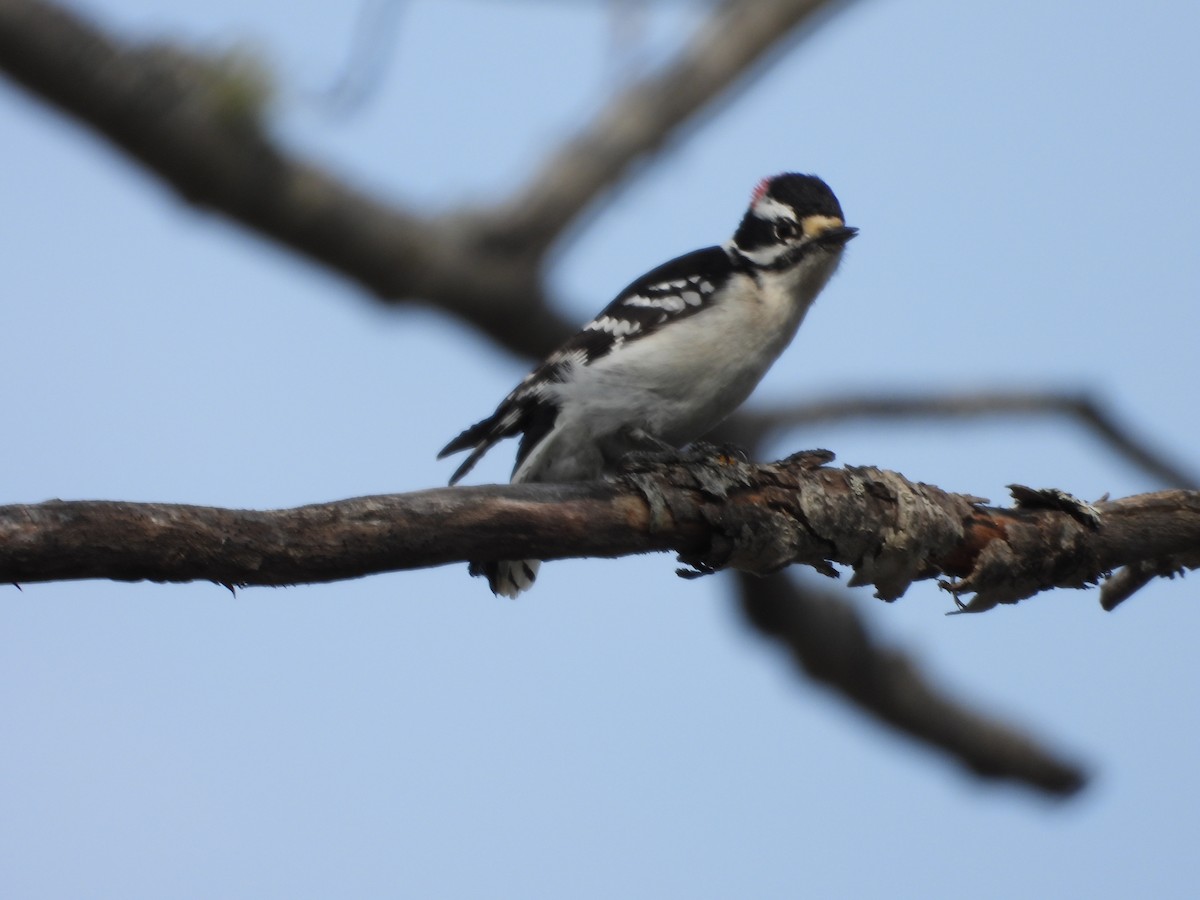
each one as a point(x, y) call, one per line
point(785, 229)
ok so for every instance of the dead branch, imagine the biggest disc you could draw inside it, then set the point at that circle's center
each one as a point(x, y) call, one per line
point(714, 512)
point(829, 641)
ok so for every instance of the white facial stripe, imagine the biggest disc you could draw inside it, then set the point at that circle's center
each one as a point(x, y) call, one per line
point(771, 209)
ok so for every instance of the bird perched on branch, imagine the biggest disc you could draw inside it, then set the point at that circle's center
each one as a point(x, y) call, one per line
point(676, 352)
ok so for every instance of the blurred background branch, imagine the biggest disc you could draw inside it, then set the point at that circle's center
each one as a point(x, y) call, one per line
point(761, 422)
point(830, 643)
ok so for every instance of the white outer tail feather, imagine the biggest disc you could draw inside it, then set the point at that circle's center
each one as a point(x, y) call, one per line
point(515, 576)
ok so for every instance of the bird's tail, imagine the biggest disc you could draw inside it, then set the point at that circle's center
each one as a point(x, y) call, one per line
point(479, 439)
point(509, 577)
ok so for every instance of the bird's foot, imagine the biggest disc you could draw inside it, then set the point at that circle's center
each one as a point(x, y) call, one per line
point(639, 450)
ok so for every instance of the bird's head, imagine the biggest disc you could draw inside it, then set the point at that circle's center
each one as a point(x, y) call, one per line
point(791, 217)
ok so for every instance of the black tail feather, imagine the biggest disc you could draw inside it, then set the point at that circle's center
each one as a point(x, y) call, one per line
point(479, 438)
point(469, 463)
point(472, 437)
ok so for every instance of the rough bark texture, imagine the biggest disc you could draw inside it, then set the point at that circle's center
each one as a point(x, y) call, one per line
point(715, 512)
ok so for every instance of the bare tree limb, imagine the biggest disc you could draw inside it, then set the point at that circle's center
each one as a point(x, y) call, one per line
point(719, 513)
point(754, 424)
point(716, 513)
point(1131, 579)
point(197, 127)
point(59, 540)
point(829, 641)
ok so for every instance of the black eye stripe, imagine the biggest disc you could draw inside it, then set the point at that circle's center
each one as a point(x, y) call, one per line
point(754, 233)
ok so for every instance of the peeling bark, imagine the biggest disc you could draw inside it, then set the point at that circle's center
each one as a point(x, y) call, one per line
point(716, 512)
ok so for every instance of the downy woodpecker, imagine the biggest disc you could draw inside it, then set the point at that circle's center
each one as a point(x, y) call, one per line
point(675, 353)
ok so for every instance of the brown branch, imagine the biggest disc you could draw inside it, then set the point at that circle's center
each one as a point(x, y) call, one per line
point(197, 126)
point(59, 540)
point(829, 641)
point(751, 427)
point(715, 512)
point(755, 424)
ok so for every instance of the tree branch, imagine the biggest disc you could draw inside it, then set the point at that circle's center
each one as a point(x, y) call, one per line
point(197, 125)
point(714, 512)
point(829, 641)
point(754, 424)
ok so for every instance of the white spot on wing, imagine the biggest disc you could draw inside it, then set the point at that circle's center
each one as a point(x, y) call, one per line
point(615, 327)
point(670, 302)
point(639, 300)
point(558, 357)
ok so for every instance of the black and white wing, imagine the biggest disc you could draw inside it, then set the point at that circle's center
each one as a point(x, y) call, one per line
point(675, 290)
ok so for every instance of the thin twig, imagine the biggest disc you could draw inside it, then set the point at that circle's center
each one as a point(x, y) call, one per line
point(755, 424)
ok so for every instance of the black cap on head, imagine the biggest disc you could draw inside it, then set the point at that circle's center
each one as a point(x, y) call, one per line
point(807, 194)
point(784, 211)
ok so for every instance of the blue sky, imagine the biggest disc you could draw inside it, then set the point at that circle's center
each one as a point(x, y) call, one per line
point(1024, 177)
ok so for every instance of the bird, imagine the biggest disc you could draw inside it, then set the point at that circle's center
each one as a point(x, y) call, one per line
point(671, 356)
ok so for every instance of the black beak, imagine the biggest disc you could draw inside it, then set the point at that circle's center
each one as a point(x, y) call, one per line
point(837, 237)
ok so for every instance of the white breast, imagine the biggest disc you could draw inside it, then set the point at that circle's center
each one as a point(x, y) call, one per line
point(682, 380)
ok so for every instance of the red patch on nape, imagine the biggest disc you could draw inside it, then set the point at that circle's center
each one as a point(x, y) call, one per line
point(760, 191)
